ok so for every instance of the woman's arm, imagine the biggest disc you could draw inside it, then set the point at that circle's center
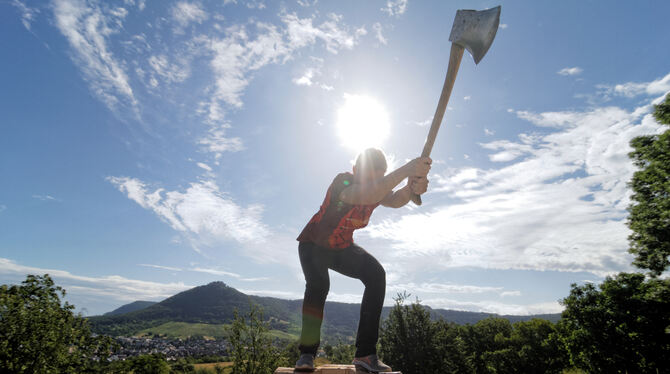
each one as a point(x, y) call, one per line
point(373, 193)
point(397, 199)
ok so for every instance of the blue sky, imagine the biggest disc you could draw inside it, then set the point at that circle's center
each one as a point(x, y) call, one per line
point(149, 147)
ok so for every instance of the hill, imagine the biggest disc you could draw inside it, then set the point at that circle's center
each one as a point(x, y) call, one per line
point(135, 305)
point(215, 303)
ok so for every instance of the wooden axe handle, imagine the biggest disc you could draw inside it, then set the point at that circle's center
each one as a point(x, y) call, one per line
point(454, 63)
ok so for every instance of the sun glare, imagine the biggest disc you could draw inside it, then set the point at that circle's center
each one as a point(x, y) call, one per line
point(362, 122)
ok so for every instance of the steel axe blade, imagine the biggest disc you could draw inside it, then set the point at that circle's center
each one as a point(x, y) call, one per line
point(475, 30)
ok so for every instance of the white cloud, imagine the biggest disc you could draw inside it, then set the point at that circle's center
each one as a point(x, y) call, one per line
point(215, 272)
point(350, 298)
point(307, 3)
point(310, 74)
point(114, 286)
point(305, 79)
point(301, 33)
point(27, 13)
point(204, 166)
point(549, 119)
point(424, 123)
point(395, 7)
point(184, 13)
point(256, 279)
point(605, 92)
point(161, 267)
point(206, 216)
point(378, 33)
point(237, 55)
point(255, 4)
point(273, 293)
point(217, 142)
point(561, 207)
point(87, 30)
point(487, 306)
point(171, 73)
point(489, 132)
point(502, 26)
point(46, 198)
point(508, 151)
point(202, 210)
point(570, 71)
point(510, 293)
point(441, 288)
point(225, 273)
point(466, 98)
point(631, 89)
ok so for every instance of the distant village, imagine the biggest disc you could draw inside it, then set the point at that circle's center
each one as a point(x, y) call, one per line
point(172, 349)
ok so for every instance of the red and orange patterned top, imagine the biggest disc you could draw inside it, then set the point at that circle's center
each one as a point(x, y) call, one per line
point(334, 224)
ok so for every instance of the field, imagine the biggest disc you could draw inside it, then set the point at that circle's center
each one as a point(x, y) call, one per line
point(209, 367)
point(184, 330)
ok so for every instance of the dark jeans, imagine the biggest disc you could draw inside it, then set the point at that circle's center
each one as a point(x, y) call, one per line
point(354, 262)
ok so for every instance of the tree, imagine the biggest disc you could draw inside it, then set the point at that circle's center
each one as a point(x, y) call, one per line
point(650, 208)
point(451, 348)
point(408, 338)
point(292, 351)
point(487, 344)
point(536, 348)
point(494, 345)
point(149, 364)
point(252, 351)
point(341, 353)
point(38, 334)
point(623, 327)
point(182, 366)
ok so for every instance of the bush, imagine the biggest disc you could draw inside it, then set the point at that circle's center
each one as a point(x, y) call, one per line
point(252, 351)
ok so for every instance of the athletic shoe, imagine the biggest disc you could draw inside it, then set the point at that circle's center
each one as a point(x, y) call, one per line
point(371, 363)
point(305, 362)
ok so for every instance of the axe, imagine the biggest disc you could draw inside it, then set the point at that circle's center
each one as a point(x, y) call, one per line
point(472, 30)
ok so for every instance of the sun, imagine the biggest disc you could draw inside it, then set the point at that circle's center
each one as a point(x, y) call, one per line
point(362, 122)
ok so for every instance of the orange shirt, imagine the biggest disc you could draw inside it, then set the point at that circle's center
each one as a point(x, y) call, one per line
point(334, 224)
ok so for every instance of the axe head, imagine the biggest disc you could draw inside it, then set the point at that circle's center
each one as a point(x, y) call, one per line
point(475, 30)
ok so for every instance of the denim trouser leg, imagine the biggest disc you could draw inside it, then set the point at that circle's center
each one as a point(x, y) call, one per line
point(354, 262)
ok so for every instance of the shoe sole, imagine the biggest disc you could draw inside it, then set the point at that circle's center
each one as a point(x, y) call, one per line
point(365, 368)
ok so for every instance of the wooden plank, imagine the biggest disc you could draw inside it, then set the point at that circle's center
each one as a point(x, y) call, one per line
point(328, 369)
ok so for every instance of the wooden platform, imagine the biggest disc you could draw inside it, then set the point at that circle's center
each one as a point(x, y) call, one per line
point(328, 369)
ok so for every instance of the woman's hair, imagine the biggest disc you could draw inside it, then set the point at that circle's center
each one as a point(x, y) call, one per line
point(371, 157)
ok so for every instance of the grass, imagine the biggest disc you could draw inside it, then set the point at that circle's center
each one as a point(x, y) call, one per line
point(209, 367)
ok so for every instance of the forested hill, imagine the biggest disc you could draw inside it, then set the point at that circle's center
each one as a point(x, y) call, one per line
point(215, 303)
point(127, 308)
